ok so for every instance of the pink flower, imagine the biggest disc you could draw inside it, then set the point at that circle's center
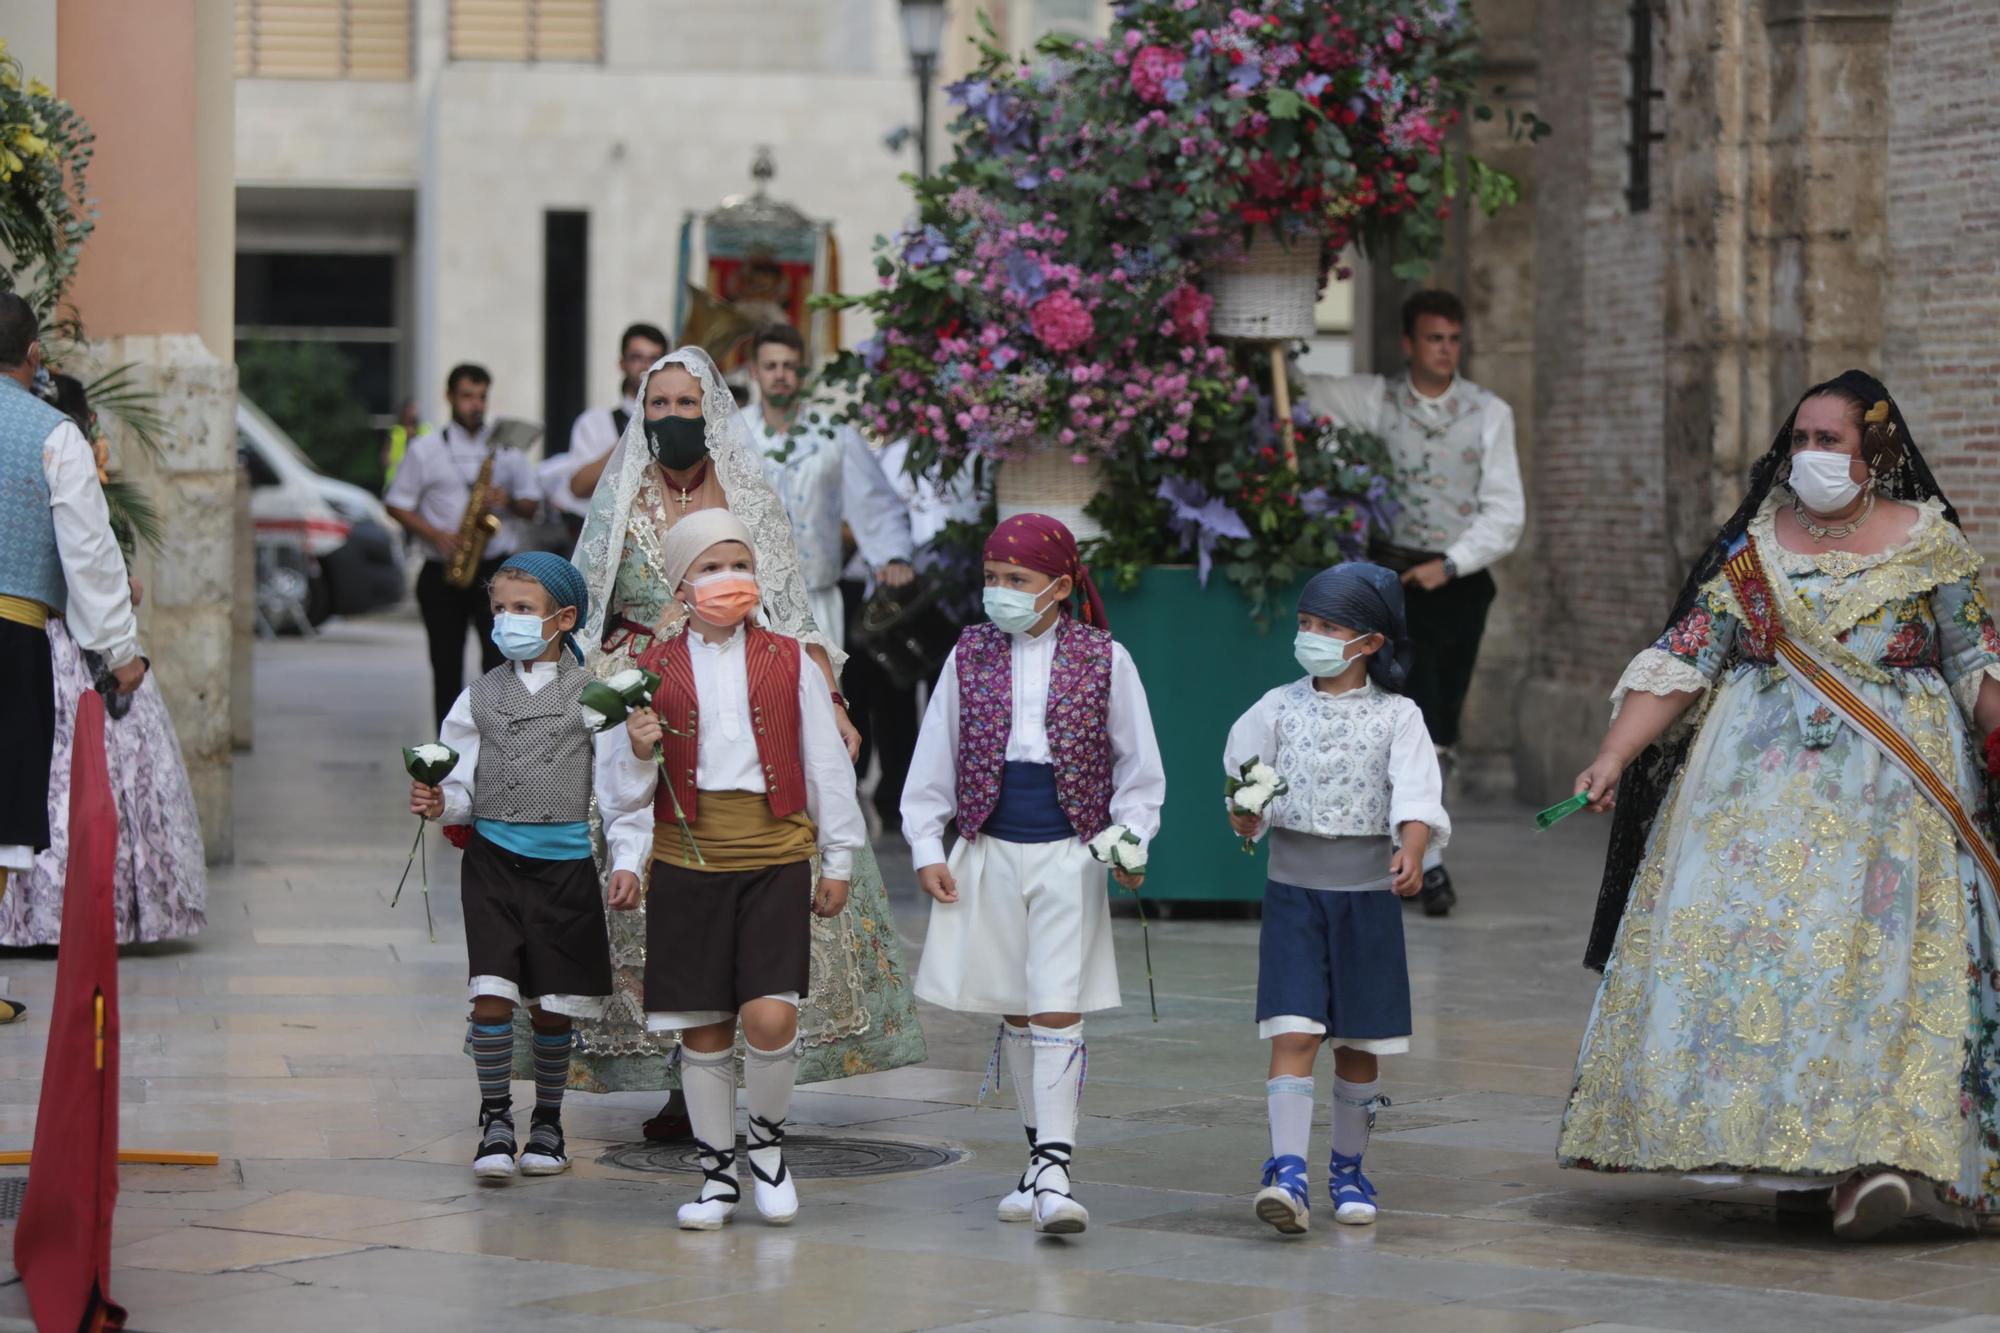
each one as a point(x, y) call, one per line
point(1152, 67)
point(963, 277)
point(1189, 307)
point(1061, 322)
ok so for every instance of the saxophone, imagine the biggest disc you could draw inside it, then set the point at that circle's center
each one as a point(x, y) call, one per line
point(475, 529)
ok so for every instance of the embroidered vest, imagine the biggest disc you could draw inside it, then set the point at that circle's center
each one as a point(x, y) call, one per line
point(1078, 719)
point(30, 566)
point(772, 664)
point(536, 760)
point(1439, 461)
point(1334, 753)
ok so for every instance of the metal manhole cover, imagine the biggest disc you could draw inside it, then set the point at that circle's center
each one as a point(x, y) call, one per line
point(810, 1157)
point(12, 1191)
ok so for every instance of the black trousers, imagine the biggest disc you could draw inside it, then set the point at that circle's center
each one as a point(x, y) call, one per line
point(1445, 629)
point(27, 735)
point(885, 716)
point(447, 613)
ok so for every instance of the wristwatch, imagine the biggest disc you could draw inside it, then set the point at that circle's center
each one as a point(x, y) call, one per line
point(1450, 569)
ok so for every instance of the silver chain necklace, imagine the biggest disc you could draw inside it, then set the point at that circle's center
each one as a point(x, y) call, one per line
point(1827, 532)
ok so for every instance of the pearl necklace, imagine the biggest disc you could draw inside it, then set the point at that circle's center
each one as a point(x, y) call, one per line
point(1826, 532)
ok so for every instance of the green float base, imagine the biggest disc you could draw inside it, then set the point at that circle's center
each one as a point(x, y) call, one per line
point(1204, 662)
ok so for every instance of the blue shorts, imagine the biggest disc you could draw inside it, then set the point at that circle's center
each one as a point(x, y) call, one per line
point(1335, 960)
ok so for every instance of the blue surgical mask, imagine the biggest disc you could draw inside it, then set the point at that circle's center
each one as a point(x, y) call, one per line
point(1324, 656)
point(1013, 610)
point(520, 638)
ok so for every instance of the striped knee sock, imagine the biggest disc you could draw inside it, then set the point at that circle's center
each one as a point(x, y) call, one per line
point(552, 1067)
point(493, 1060)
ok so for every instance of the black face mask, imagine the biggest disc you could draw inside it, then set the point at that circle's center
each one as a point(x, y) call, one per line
point(678, 443)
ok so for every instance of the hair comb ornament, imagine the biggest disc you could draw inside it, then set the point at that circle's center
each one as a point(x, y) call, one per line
point(1877, 414)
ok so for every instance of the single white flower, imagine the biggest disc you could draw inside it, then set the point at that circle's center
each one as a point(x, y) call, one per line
point(1262, 774)
point(1101, 845)
point(1129, 854)
point(432, 753)
point(593, 720)
point(1252, 797)
point(625, 681)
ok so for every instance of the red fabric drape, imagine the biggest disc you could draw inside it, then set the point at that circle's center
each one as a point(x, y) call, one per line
point(63, 1245)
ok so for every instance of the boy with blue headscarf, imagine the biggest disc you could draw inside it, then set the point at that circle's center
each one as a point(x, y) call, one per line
point(534, 912)
point(1348, 838)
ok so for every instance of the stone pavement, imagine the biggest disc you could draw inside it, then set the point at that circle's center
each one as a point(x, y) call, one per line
point(311, 1037)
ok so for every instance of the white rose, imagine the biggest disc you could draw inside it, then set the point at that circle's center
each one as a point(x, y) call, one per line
point(1252, 797)
point(1262, 774)
point(432, 754)
point(625, 681)
point(1101, 846)
point(592, 719)
point(1129, 855)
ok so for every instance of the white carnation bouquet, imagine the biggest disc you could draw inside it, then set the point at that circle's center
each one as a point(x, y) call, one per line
point(1122, 849)
point(1250, 791)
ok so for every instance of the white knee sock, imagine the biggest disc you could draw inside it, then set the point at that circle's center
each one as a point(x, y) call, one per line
point(709, 1082)
point(1353, 1114)
point(1290, 1101)
point(1019, 1049)
point(767, 1089)
point(1058, 1088)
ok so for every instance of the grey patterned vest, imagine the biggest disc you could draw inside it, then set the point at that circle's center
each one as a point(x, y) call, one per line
point(1438, 462)
point(1334, 753)
point(535, 758)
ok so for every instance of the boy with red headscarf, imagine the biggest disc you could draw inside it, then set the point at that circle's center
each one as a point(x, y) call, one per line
point(1037, 739)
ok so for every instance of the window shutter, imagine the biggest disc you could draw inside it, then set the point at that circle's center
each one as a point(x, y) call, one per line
point(323, 39)
point(527, 30)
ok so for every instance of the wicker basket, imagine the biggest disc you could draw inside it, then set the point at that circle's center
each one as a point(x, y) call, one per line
point(1047, 482)
point(1269, 293)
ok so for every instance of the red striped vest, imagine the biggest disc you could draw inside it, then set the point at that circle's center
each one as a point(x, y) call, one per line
point(771, 663)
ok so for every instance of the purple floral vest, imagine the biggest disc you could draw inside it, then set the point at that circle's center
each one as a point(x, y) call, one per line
point(1079, 723)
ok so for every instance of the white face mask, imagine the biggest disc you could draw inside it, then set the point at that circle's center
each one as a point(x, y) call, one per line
point(1822, 481)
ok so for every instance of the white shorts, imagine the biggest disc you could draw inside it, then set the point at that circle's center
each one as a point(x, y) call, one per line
point(1029, 934)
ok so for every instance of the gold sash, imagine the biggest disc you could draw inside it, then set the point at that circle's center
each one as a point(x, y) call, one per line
point(737, 831)
point(23, 611)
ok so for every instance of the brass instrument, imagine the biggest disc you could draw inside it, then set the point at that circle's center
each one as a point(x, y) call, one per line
point(475, 529)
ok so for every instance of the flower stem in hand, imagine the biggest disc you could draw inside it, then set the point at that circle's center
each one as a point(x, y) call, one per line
point(1146, 939)
point(688, 844)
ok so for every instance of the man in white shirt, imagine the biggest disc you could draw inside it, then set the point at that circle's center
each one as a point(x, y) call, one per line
point(569, 478)
point(826, 476)
point(429, 497)
point(1452, 445)
point(58, 557)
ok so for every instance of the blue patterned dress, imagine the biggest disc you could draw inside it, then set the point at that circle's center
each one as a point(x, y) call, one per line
point(1806, 980)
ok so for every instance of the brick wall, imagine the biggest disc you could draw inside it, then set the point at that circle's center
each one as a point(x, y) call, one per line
point(1941, 345)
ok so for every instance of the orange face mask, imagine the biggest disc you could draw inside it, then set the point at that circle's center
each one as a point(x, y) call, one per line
point(725, 597)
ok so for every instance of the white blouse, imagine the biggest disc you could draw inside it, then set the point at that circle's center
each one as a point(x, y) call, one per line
point(1139, 779)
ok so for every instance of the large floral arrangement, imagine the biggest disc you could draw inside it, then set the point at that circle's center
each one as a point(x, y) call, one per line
point(45, 216)
point(1050, 292)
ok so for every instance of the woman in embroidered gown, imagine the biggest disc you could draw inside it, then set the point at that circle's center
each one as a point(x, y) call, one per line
point(1801, 959)
point(860, 1014)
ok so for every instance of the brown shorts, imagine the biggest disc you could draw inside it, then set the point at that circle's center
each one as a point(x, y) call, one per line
point(718, 938)
point(538, 924)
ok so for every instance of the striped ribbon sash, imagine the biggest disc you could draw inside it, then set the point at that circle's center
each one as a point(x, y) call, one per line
point(1824, 682)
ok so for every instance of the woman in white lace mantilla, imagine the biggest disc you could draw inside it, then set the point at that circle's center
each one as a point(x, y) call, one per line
point(1801, 950)
point(860, 1014)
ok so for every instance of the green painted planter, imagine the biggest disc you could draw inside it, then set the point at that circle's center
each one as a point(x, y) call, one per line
point(1204, 662)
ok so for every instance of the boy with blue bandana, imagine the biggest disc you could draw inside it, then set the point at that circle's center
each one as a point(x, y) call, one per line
point(1364, 803)
point(534, 912)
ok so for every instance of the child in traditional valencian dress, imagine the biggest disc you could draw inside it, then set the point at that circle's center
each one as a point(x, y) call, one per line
point(754, 761)
point(534, 913)
point(1037, 739)
point(1364, 802)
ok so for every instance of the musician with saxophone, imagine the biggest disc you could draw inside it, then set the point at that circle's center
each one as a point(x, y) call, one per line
point(463, 497)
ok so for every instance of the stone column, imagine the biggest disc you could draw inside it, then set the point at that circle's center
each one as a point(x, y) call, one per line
point(155, 290)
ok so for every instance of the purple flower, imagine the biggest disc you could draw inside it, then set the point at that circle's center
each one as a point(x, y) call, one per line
point(968, 93)
point(1004, 356)
point(1175, 90)
point(1024, 275)
point(1199, 519)
point(925, 247)
point(871, 350)
point(1007, 124)
point(1243, 79)
point(1312, 85)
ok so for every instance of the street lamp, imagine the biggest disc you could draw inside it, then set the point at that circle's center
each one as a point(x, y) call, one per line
point(923, 34)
